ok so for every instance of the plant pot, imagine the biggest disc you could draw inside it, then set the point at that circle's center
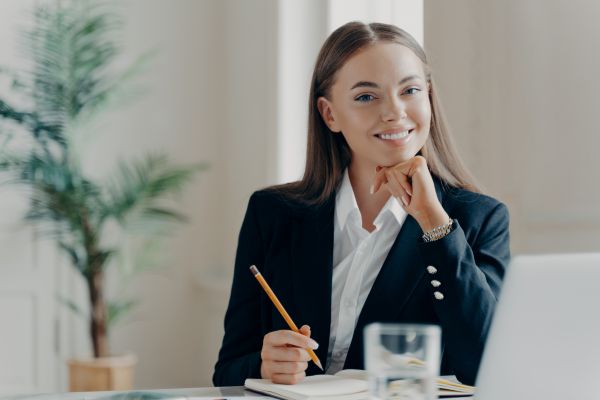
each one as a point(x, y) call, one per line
point(105, 373)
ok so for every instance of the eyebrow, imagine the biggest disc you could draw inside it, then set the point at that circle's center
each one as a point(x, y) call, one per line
point(374, 85)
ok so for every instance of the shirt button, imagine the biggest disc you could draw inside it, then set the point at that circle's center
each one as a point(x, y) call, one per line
point(435, 283)
point(438, 295)
point(431, 269)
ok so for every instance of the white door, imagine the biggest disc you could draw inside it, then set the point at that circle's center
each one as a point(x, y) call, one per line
point(27, 305)
point(27, 281)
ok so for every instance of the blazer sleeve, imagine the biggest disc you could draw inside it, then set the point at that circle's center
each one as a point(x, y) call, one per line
point(470, 276)
point(239, 356)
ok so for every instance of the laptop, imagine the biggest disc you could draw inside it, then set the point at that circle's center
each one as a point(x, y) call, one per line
point(544, 341)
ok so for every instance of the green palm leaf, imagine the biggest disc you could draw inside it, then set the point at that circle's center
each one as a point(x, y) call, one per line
point(138, 190)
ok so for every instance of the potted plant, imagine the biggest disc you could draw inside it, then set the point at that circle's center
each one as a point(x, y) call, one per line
point(72, 51)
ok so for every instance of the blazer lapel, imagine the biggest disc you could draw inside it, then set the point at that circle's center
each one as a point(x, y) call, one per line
point(311, 260)
point(396, 281)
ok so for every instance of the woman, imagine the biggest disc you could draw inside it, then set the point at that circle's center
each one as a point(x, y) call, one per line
point(386, 225)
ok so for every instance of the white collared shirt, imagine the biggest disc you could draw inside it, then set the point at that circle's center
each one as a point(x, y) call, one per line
point(357, 258)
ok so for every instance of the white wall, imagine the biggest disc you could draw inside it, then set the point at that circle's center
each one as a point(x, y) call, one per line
point(183, 114)
point(519, 82)
point(211, 90)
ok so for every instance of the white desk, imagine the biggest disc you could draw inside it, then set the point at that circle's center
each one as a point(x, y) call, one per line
point(219, 393)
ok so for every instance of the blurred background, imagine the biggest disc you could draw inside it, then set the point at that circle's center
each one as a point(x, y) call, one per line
point(228, 86)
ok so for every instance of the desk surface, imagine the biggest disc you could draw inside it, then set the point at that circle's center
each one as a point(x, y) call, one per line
point(221, 393)
point(218, 393)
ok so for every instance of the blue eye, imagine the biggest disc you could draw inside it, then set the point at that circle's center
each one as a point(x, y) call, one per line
point(364, 98)
point(412, 90)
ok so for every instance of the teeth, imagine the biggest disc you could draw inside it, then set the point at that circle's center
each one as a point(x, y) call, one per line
point(394, 136)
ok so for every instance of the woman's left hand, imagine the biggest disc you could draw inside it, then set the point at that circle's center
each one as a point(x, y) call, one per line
point(410, 182)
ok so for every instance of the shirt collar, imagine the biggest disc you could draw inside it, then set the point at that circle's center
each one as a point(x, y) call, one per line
point(394, 207)
point(345, 204)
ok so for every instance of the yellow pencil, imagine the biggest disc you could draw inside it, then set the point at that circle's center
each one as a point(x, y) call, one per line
point(282, 311)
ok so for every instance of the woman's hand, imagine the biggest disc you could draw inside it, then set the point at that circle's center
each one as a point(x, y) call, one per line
point(411, 184)
point(284, 358)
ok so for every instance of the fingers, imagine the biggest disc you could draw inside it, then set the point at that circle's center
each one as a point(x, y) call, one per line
point(399, 175)
point(399, 186)
point(286, 345)
point(378, 180)
point(396, 174)
point(287, 337)
point(305, 330)
point(288, 367)
point(284, 356)
point(399, 193)
point(394, 181)
point(288, 372)
point(288, 379)
point(401, 179)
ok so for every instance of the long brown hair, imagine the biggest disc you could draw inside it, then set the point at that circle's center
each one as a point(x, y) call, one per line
point(328, 155)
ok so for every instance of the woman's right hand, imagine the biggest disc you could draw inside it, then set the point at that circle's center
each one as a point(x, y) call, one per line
point(284, 358)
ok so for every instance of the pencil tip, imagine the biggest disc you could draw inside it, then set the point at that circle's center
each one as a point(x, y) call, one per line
point(319, 365)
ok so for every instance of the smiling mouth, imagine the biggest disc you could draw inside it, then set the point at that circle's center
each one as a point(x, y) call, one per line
point(394, 136)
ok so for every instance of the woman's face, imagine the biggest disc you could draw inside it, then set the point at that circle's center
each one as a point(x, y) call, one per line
point(380, 103)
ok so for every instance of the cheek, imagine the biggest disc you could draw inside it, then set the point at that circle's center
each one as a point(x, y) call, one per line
point(357, 116)
point(422, 113)
point(355, 123)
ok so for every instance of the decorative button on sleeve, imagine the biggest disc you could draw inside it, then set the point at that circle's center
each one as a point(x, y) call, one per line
point(438, 295)
point(435, 283)
point(431, 269)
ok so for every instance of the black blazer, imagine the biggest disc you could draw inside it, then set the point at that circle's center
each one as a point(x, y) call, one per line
point(292, 245)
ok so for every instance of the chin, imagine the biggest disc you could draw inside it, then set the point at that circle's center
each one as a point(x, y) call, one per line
point(399, 159)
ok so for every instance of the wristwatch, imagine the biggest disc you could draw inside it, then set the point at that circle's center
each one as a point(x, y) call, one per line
point(438, 232)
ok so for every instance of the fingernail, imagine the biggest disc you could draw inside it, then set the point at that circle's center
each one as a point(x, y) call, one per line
point(372, 189)
point(313, 345)
point(405, 201)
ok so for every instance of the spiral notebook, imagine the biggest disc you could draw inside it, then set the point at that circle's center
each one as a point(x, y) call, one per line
point(346, 385)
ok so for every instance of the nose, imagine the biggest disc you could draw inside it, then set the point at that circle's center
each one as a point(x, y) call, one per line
point(393, 109)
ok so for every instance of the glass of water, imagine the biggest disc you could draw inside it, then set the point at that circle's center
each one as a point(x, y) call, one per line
point(402, 360)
